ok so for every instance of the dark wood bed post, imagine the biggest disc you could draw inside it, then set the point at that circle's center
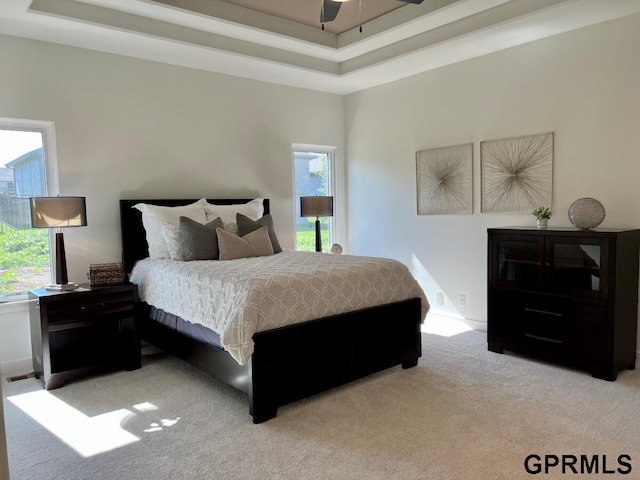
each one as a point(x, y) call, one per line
point(262, 404)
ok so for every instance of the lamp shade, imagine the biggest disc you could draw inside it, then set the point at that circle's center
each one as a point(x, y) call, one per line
point(55, 212)
point(316, 206)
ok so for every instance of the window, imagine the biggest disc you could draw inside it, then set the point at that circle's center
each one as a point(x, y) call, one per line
point(313, 175)
point(26, 170)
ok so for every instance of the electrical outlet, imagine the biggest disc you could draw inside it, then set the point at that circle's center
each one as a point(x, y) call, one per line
point(439, 297)
point(462, 300)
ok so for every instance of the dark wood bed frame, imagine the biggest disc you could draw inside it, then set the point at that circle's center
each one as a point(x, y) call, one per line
point(293, 362)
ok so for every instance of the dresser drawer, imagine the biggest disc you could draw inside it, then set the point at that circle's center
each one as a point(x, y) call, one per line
point(547, 322)
point(559, 318)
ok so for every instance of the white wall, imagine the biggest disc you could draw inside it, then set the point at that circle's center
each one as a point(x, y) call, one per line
point(131, 128)
point(581, 85)
point(128, 128)
point(15, 338)
point(4, 461)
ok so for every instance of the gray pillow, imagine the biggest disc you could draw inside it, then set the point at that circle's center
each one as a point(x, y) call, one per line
point(253, 244)
point(247, 225)
point(199, 242)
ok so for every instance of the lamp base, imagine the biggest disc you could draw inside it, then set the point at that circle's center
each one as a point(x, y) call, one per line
point(318, 236)
point(61, 287)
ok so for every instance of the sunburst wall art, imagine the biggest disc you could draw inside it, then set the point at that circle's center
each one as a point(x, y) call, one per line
point(516, 173)
point(445, 180)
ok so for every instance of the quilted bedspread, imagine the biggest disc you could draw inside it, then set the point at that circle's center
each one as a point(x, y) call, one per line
point(237, 298)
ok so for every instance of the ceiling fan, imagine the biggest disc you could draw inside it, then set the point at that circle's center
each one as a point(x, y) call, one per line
point(330, 9)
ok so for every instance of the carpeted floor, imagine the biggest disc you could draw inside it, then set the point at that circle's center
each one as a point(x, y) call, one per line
point(462, 413)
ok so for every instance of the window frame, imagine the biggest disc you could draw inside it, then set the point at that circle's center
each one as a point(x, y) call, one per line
point(330, 151)
point(47, 130)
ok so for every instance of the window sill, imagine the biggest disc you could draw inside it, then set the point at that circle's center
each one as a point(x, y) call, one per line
point(13, 297)
point(14, 306)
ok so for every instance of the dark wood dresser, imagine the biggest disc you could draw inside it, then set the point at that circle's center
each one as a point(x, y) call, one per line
point(565, 295)
point(83, 331)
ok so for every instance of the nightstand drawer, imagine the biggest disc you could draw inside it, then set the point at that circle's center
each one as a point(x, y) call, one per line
point(92, 308)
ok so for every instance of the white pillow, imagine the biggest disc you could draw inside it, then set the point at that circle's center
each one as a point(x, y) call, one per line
point(152, 215)
point(253, 209)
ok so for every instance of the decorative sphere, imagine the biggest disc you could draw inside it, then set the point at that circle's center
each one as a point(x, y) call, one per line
point(586, 213)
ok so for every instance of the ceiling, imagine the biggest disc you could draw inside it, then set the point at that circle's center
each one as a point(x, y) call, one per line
point(352, 13)
point(281, 41)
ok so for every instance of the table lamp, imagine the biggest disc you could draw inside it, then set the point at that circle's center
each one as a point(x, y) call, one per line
point(59, 212)
point(317, 206)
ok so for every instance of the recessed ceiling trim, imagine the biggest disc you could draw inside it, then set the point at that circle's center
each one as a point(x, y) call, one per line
point(403, 23)
point(256, 27)
point(257, 21)
point(90, 13)
point(449, 39)
point(70, 10)
point(528, 28)
point(506, 12)
point(84, 12)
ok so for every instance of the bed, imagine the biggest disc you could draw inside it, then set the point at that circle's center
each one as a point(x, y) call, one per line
point(286, 363)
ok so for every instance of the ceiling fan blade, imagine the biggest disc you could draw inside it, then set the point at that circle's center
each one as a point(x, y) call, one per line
point(416, 2)
point(329, 11)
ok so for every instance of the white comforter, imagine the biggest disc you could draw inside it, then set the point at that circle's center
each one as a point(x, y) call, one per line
point(237, 298)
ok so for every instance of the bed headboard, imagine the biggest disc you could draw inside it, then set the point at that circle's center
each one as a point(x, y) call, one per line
point(134, 242)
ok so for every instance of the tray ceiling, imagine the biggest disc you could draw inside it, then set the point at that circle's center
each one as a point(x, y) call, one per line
point(280, 41)
point(352, 14)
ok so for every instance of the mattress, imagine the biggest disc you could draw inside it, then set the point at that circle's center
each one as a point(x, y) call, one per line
point(237, 298)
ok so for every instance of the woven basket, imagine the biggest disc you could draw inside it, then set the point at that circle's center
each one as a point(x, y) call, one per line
point(106, 274)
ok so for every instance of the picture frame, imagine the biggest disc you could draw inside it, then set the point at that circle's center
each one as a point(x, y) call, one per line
point(444, 178)
point(516, 173)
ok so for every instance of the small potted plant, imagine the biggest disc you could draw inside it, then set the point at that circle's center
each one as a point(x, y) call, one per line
point(543, 214)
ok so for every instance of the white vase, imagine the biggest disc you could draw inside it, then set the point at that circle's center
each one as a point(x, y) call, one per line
point(542, 223)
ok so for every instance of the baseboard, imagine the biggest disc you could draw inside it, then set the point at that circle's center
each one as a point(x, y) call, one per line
point(443, 315)
point(17, 367)
point(475, 324)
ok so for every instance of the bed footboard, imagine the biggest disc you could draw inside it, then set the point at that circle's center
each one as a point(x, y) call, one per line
point(298, 361)
point(295, 362)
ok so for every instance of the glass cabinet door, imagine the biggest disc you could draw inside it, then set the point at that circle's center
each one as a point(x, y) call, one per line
point(577, 266)
point(518, 261)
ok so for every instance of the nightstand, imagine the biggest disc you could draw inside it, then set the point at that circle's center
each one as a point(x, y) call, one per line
point(79, 332)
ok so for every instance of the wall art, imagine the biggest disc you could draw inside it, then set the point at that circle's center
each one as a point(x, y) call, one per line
point(445, 180)
point(516, 173)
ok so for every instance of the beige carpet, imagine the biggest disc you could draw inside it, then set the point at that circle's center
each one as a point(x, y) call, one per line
point(462, 413)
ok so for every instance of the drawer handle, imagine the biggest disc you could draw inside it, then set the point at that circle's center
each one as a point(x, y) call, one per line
point(86, 307)
point(544, 339)
point(544, 312)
